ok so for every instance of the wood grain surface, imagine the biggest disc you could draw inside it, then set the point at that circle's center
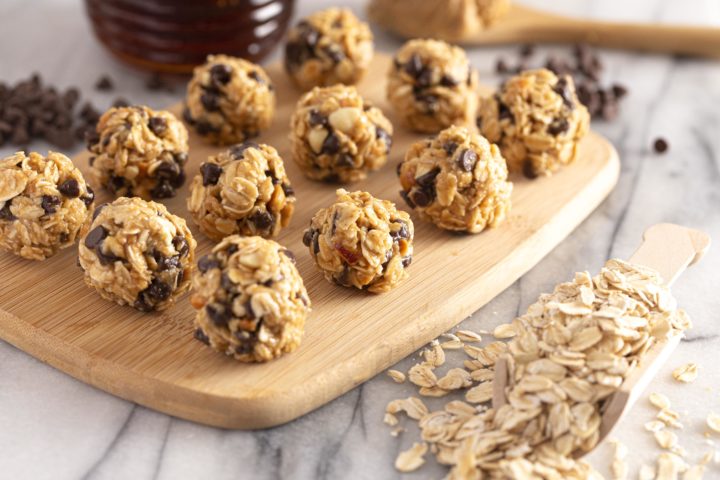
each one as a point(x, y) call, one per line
point(152, 359)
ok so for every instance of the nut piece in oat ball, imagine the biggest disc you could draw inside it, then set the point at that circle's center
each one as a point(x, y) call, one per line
point(44, 202)
point(250, 299)
point(337, 136)
point(139, 152)
point(242, 190)
point(136, 253)
point(537, 121)
point(457, 180)
point(328, 47)
point(229, 100)
point(362, 242)
point(432, 86)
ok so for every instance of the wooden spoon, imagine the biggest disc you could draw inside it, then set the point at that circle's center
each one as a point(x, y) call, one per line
point(528, 25)
point(669, 249)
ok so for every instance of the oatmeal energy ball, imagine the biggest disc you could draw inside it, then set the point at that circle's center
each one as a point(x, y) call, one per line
point(139, 152)
point(135, 252)
point(229, 100)
point(361, 241)
point(456, 180)
point(432, 86)
point(242, 190)
point(328, 47)
point(44, 202)
point(537, 121)
point(336, 136)
point(250, 299)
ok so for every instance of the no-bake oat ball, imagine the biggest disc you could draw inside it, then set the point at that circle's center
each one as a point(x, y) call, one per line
point(44, 202)
point(537, 121)
point(337, 136)
point(140, 152)
point(328, 47)
point(242, 190)
point(136, 253)
point(250, 299)
point(432, 86)
point(229, 100)
point(457, 180)
point(362, 242)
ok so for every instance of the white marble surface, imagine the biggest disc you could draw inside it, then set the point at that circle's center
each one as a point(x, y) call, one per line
point(54, 427)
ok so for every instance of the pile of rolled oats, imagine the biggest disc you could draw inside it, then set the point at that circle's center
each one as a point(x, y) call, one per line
point(567, 355)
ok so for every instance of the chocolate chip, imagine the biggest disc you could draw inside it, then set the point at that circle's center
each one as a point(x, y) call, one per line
point(344, 160)
point(398, 168)
point(207, 262)
point(562, 88)
point(335, 55)
point(104, 83)
point(287, 190)
point(238, 151)
point(219, 314)
point(528, 169)
point(249, 312)
point(210, 101)
point(200, 336)
point(121, 102)
point(467, 159)
point(256, 76)
point(660, 145)
point(405, 196)
point(307, 237)
point(205, 128)
point(50, 203)
point(503, 110)
point(163, 189)
point(331, 144)
point(424, 78)
point(420, 197)
point(116, 184)
point(231, 249)
point(427, 180)
point(181, 245)
point(158, 125)
point(210, 173)
point(90, 197)
point(310, 36)
point(383, 135)
point(70, 188)
point(558, 126)
point(220, 74)
point(316, 118)
point(527, 50)
point(316, 242)
point(95, 237)
point(158, 291)
point(406, 261)
point(98, 209)
point(619, 91)
point(430, 101)
point(92, 137)
point(5, 213)
point(414, 66)
point(450, 147)
point(166, 263)
point(181, 158)
point(403, 232)
point(289, 254)
point(262, 220)
point(448, 81)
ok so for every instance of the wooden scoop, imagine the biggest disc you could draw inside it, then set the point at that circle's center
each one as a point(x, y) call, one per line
point(529, 25)
point(669, 249)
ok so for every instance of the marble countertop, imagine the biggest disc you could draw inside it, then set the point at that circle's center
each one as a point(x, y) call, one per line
point(54, 427)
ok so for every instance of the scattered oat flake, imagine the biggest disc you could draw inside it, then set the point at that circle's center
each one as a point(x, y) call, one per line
point(396, 375)
point(619, 466)
point(659, 401)
point(390, 419)
point(695, 472)
point(422, 375)
point(646, 472)
point(468, 336)
point(433, 391)
point(480, 394)
point(411, 459)
point(505, 330)
point(686, 373)
point(452, 345)
point(713, 421)
point(666, 439)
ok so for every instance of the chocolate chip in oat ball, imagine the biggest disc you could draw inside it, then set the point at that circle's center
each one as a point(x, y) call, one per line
point(344, 160)
point(308, 236)
point(210, 173)
point(158, 291)
point(219, 314)
point(181, 245)
point(89, 198)
point(450, 147)
point(5, 213)
point(406, 261)
point(200, 336)
point(166, 263)
point(163, 189)
point(467, 159)
point(262, 220)
point(528, 169)
point(238, 151)
point(287, 190)
point(168, 170)
point(50, 203)
point(414, 66)
point(289, 254)
point(316, 118)
point(210, 101)
point(421, 197)
point(256, 76)
point(220, 74)
point(96, 236)
point(331, 144)
point(558, 126)
point(334, 54)
point(383, 135)
point(70, 188)
point(207, 262)
point(158, 125)
point(427, 180)
point(448, 81)
point(660, 145)
point(562, 88)
point(405, 196)
point(402, 232)
point(104, 83)
point(92, 137)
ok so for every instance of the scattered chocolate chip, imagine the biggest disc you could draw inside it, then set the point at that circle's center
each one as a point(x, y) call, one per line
point(200, 336)
point(70, 188)
point(467, 159)
point(219, 314)
point(558, 126)
point(331, 144)
point(316, 118)
point(262, 220)
point(50, 203)
point(210, 173)
point(96, 236)
point(660, 145)
point(220, 74)
point(207, 262)
point(104, 83)
point(158, 125)
point(238, 151)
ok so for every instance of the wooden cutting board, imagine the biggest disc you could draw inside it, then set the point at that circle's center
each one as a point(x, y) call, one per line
point(152, 359)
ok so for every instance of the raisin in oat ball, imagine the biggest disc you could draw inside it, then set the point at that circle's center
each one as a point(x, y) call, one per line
point(44, 202)
point(135, 252)
point(250, 299)
point(432, 86)
point(336, 136)
point(457, 180)
point(328, 47)
point(139, 152)
point(242, 190)
point(537, 121)
point(361, 241)
point(229, 100)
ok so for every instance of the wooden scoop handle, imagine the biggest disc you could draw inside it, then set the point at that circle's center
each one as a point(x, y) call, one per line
point(669, 249)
